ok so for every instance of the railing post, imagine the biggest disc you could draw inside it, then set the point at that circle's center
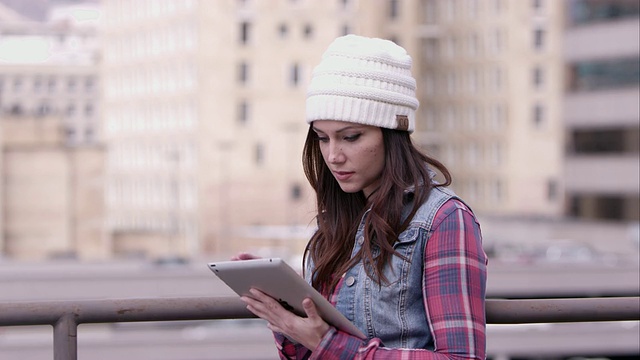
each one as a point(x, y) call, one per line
point(65, 338)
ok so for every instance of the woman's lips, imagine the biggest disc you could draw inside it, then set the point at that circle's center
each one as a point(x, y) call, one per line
point(342, 175)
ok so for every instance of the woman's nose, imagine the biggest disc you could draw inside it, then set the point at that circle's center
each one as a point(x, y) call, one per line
point(335, 154)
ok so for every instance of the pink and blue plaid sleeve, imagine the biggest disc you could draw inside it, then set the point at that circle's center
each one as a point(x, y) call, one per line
point(288, 350)
point(454, 286)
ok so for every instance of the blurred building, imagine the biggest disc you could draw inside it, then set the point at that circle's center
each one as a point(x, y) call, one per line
point(52, 193)
point(533, 106)
point(51, 160)
point(203, 108)
point(602, 115)
point(491, 90)
point(51, 68)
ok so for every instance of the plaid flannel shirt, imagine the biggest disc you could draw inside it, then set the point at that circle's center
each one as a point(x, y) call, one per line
point(454, 290)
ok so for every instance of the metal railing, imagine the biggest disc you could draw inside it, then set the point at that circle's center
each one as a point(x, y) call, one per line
point(65, 316)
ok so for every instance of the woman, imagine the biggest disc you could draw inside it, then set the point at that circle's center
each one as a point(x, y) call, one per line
point(397, 253)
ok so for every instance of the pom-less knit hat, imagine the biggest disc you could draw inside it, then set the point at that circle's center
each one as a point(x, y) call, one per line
point(365, 81)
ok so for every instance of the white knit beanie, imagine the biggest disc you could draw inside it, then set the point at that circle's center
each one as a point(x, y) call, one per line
point(365, 81)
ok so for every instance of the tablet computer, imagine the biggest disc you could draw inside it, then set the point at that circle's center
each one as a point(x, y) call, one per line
point(278, 280)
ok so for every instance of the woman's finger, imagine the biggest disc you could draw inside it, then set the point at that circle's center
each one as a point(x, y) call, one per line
point(244, 256)
point(264, 298)
point(310, 308)
point(264, 306)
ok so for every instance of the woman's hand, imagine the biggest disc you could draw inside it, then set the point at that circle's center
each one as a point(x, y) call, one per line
point(244, 256)
point(306, 331)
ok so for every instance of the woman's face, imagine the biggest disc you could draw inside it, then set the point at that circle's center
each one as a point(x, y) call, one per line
point(354, 153)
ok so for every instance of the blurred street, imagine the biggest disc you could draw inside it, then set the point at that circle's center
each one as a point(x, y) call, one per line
point(78, 280)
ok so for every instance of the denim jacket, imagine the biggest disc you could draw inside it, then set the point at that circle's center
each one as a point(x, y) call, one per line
point(394, 311)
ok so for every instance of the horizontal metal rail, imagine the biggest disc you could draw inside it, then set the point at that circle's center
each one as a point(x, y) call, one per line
point(65, 316)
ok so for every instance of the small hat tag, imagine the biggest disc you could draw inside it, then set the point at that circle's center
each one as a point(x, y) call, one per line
point(403, 122)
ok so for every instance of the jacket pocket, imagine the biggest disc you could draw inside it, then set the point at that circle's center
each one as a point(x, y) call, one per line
point(399, 265)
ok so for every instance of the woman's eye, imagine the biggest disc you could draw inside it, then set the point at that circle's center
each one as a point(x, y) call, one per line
point(352, 137)
point(323, 139)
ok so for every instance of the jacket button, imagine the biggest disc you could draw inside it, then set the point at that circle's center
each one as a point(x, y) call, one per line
point(360, 240)
point(350, 281)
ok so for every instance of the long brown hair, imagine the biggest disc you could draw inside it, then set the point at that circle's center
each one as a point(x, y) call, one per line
point(339, 213)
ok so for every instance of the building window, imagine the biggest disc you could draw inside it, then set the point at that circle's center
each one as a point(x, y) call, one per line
point(243, 72)
point(243, 112)
point(88, 110)
point(538, 115)
point(497, 79)
point(431, 47)
point(603, 207)
point(497, 6)
point(496, 118)
point(52, 84)
point(472, 6)
point(37, 84)
point(16, 110)
point(497, 191)
point(537, 4)
point(308, 31)
point(89, 83)
point(450, 10)
point(43, 109)
point(294, 75)
point(473, 189)
point(473, 155)
point(474, 45)
point(71, 110)
point(604, 74)
point(539, 38)
point(538, 77)
point(283, 30)
point(88, 134)
point(589, 11)
point(259, 154)
point(430, 9)
point(17, 83)
point(496, 154)
point(451, 83)
point(296, 192)
point(394, 9)
point(71, 84)
point(605, 141)
point(552, 190)
point(70, 134)
point(472, 81)
point(245, 28)
point(472, 118)
point(346, 29)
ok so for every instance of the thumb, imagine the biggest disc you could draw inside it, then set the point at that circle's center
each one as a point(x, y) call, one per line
point(310, 308)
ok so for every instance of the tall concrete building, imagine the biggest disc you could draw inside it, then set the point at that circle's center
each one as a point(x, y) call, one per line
point(533, 106)
point(491, 90)
point(602, 114)
point(52, 193)
point(50, 158)
point(204, 120)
